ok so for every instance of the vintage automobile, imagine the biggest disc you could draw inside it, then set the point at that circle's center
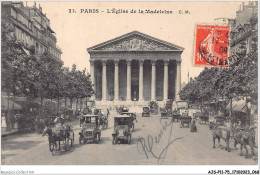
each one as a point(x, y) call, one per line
point(122, 132)
point(163, 113)
point(185, 119)
point(146, 112)
point(203, 119)
point(89, 129)
point(132, 118)
point(176, 115)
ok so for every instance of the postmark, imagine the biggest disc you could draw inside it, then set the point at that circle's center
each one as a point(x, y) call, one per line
point(211, 45)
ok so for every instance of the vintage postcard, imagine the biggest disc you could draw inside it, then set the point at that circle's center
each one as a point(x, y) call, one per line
point(129, 83)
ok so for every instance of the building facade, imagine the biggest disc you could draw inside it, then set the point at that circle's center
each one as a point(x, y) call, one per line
point(31, 27)
point(244, 28)
point(135, 68)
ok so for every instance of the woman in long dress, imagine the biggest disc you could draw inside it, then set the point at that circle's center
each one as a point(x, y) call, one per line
point(3, 121)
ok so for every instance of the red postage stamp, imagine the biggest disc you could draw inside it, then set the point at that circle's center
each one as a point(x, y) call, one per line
point(211, 45)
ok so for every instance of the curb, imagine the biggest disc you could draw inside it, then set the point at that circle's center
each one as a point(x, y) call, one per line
point(9, 134)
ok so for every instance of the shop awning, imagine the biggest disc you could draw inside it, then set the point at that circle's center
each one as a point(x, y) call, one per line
point(4, 104)
point(239, 105)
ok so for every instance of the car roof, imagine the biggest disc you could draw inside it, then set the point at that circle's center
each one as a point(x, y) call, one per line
point(89, 115)
point(121, 116)
point(127, 112)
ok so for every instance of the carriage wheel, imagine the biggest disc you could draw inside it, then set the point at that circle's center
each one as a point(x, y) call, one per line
point(67, 142)
point(72, 140)
point(98, 137)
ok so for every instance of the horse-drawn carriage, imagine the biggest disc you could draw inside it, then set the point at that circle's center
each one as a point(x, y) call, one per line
point(146, 112)
point(122, 131)
point(89, 129)
point(59, 133)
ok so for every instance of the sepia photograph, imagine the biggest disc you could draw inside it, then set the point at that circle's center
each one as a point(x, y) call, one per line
point(129, 83)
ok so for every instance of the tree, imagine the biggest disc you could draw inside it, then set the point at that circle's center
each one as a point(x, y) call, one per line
point(11, 55)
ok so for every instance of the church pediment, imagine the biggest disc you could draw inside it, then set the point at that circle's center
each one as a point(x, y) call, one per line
point(135, 41)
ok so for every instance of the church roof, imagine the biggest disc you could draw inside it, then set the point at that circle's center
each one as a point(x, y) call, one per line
point(135, 41)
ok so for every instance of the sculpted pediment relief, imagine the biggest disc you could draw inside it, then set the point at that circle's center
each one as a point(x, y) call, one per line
point(135, 43)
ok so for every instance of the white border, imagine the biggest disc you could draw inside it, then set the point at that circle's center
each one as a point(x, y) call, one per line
point(149, 169)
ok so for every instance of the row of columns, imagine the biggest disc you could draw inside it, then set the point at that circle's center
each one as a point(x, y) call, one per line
point(128, 87)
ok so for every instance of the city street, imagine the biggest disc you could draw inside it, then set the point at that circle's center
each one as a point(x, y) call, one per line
point(189, 149)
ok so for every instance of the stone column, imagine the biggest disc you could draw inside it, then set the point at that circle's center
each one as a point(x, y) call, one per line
point(92, 74)
point(141, 80)
point(165, 80)
point(153, 82)
point(178, 80)
point(116, 81)
point(104, 80)
point(128, 81)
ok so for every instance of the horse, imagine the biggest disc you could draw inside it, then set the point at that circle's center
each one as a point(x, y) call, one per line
point(56, 134)
point(220, 133)
point(244, 137)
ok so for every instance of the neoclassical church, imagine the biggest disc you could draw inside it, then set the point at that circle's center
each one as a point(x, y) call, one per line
point(134, 69)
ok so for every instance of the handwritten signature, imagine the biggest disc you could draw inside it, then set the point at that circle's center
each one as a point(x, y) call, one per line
point(147, 147)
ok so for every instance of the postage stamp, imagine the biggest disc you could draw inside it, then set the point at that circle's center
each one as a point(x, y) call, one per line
point(211, 45)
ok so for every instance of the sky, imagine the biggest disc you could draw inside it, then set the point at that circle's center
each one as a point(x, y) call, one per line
point(76, 32)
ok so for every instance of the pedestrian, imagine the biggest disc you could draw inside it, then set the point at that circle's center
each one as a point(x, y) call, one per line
point(3, 120)
point(108, 112)
point(193, 127)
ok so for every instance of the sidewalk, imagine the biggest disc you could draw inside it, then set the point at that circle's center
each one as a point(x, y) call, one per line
point(5, 133)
